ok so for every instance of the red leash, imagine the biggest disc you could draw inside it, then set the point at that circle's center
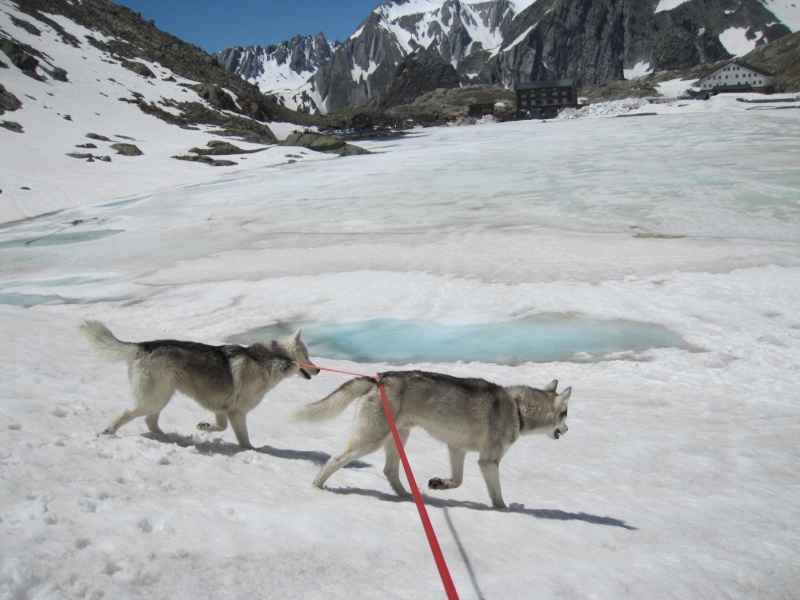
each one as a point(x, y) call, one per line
point(444, 573)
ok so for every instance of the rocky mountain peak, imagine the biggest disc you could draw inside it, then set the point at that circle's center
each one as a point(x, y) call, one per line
point(505, 42)
point(299, 57)
point(420, 72)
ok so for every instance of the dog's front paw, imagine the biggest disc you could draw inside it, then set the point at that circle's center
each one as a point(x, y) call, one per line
point(205, 427)
point(437, 483)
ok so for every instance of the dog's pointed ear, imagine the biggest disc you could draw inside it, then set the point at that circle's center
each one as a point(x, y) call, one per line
point(551, 387)
point(296, 336)
point(563, 397)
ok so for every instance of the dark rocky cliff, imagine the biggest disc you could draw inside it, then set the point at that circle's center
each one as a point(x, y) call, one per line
point(419, 73)
point(593, 41)
point(363, 65)
point(360, 68)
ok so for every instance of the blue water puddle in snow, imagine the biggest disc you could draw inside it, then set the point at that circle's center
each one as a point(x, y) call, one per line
point(124, 202)
point(59, 239)
point(29, 300)
point(211, 182)
point(534, 339)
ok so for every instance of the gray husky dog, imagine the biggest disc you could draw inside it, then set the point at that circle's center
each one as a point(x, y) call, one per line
point(466, 414)
point(229, 380)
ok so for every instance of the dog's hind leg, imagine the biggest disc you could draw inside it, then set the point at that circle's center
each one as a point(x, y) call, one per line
point(151, 394)
point(355, 450)
point(456, 468)
point(392, 467)
point(222, 423)
point(152, 422)
point(239, 425)
point(126, 417)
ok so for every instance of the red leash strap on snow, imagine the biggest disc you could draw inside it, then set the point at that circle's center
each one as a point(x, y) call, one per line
point(444, 573)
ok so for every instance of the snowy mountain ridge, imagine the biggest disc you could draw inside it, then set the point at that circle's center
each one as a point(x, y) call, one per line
point(426, 24)
point(505, 42)
point(455, 29)
point(282, 70)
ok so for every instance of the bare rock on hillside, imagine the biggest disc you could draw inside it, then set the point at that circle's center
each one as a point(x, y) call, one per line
point(419, 73)
point(323, 143)
point(127, 149)
point(8, 101)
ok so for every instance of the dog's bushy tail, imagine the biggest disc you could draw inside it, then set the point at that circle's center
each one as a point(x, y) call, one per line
point(108, 345)
point(335, 403)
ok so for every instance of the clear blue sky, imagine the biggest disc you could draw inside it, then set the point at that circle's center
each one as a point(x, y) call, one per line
point(217, 24)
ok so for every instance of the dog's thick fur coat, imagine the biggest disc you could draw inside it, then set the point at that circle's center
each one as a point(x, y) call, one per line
point(228, 380)
point(466, 414)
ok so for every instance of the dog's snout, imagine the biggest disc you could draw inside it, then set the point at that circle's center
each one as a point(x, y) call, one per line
point(312, 368)
point(308, 370)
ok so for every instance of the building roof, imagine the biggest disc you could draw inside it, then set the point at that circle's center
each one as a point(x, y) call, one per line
point(758, 70)
point(742, 64)
point(533, 85)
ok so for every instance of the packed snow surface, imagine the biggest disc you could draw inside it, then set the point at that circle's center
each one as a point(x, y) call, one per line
point(678, 477)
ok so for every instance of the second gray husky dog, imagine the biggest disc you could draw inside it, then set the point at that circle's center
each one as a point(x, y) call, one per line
point(466, 414)
point(228, 380)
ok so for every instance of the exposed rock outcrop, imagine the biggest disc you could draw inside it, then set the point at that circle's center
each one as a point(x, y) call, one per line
point(593, 41)
point(323, 143)
point(126, 149)
point(8, 101)
point(419, 73)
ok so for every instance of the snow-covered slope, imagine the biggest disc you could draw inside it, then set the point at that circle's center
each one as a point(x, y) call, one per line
point(98, 97)
point(787, 11)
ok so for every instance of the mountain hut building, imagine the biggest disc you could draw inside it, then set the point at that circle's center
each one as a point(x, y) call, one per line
point(543, 99)
point(738, 76)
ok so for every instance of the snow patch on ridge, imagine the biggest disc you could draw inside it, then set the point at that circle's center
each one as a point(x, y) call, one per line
point(669, 5)
point(736, 42)
point(640, 69)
